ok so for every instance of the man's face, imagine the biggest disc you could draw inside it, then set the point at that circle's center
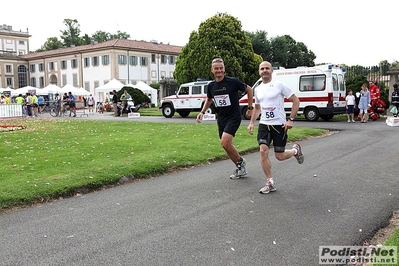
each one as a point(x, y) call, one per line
point(265, 70)
point(218, 69)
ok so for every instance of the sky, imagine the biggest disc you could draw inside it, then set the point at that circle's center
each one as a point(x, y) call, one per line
point(338, 32)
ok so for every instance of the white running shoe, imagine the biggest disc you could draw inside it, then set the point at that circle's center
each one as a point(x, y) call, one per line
point(269, 187)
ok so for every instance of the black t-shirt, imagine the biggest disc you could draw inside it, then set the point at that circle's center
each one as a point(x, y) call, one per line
point(226, 96)
point(114, 98)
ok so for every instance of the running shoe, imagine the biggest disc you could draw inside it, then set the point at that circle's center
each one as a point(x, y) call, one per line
point(299, 156)
point(240, 171)
point(270, 187)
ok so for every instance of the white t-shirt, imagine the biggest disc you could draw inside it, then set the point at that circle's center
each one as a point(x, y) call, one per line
point(350, 99)
point(271, 96)
point(90, 100)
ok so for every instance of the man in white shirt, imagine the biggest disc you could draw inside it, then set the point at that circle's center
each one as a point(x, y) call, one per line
point(273, 125)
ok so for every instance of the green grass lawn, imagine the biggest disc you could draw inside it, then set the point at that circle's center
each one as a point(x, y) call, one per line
point(54, 158)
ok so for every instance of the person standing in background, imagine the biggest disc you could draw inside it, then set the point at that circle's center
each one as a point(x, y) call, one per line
point(395, 99)
point(115, 103)
point(364, 104)
point(350, 102)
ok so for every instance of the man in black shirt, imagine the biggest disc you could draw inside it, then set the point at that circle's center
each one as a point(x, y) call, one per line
point(224, 92)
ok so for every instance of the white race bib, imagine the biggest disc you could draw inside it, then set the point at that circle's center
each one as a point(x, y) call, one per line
point(269, 112)
point(222, 100)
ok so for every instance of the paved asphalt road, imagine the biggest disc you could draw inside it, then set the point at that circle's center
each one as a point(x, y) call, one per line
point(201, 217)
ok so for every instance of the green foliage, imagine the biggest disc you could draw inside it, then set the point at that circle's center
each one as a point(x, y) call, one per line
point(286, 52)
point(52, 43)
point(219, 36)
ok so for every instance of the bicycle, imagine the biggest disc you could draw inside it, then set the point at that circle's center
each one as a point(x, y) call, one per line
point(57, 111)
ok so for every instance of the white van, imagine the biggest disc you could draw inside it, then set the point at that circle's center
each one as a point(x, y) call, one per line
point(189, 98)
point(320, 89)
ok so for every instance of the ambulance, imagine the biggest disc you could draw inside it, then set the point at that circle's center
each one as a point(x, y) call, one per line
point(320, 89)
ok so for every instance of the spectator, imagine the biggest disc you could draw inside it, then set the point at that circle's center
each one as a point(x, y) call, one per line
point(91, 102)
point(72, 104)
point(115, 102)
point(350, 106)
point(28, 104)
point(42, 105)
point(395, 99)
point(364, 104)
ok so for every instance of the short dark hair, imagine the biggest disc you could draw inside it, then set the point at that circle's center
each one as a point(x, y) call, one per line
point(395, 85)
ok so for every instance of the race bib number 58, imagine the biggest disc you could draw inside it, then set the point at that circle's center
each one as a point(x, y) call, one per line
point(222, 100)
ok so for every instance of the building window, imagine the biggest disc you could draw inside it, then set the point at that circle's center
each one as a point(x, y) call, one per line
point(9, 69)
point(153, 74)
point(86, 61)
point(122, 59)
point(105, 60)
point(9, 82)
point(63, 64)
point(74, 63)
point(95, 61)
point(75, 79)
point(32, 68)
point(22, 76)
point(171, 60)
point(51, 66)
point(133, 60)
point(153, 58)
point(96, 84)
point(41, 67)
point(64, 80)
point(87, 86)
point(144, 61)
point(21, 42)
point(41, 82)
point(163, 59)
point(33, 82)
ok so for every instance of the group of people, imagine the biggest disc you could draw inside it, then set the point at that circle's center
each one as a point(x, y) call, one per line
point(369, 97)
point(269, 104)
point(125, 99)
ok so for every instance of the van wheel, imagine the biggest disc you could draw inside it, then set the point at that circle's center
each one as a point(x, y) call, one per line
point(312, 114)
point(210, 110)
point(184, 113)
point(168, 111)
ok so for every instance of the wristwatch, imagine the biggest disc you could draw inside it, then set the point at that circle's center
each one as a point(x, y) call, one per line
point(250, 107)
point(292, 119)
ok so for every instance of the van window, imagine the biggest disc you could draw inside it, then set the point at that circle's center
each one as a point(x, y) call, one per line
point(341, 82)
point(312, 83)
point(335, 82)
point(196, 89)
point(184, 91)
point(206, 89)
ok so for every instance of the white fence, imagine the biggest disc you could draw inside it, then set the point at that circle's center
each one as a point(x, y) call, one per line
point(11, 110)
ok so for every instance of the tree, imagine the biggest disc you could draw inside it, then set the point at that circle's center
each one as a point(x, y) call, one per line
point(71, 36)
point(219, 36)
point(119, 35)
point(261, 44)
point(286, 52)
point(52, 43)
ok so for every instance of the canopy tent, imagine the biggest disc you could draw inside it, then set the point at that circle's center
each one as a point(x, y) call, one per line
point(147, 90)
point(52, 88)
point(23, 90)
point(114, 84)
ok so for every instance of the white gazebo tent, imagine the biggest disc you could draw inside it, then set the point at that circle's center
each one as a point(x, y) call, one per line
point(147, 90)
point(23, 90)
point(114, 84)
